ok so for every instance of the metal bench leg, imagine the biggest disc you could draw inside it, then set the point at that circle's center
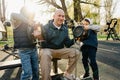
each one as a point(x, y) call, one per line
point(55, 66)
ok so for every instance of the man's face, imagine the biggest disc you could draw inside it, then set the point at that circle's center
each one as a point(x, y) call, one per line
point(59, 17)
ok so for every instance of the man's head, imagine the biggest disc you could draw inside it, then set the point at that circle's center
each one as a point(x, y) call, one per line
point(59, 17)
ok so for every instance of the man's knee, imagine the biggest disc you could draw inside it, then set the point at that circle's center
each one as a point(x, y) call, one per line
point(45, 53)
point(75, 53)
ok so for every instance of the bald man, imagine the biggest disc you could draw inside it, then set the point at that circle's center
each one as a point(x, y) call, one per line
point(57, 45)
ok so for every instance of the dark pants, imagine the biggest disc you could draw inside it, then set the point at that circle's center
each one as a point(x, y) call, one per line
point(89, 57)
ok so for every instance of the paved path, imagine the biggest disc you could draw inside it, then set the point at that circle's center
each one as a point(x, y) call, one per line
point(108, 58)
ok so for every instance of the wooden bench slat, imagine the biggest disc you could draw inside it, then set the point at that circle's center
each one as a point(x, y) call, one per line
point(17, 63)
point(10, 64)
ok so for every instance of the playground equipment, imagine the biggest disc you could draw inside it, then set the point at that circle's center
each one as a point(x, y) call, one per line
point(111, 30)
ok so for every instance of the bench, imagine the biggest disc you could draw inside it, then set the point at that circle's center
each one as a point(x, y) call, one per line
point(10, 64)
point(55, 65)
point(17, 63)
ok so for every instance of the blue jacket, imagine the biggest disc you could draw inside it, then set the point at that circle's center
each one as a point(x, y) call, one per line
point(91, 39)
point(55, 38)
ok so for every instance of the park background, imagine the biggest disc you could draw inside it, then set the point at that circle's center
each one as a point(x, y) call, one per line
point(100, 12)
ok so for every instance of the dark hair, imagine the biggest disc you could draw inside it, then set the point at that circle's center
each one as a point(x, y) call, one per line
point(87, 20)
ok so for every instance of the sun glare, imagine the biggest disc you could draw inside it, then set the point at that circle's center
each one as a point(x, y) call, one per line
point(41, 14)
point(32, 7)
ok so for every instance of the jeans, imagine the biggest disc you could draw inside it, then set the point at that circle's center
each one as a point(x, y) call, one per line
point(30, 65)
point(89, 56)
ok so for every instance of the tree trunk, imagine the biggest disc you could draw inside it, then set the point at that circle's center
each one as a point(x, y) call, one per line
point(65, 9)
point(0, 10)
point(4, 34)
point(77, 11)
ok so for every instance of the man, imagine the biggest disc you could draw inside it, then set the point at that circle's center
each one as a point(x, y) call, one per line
point(24, 43)
point(55, 36)
point(89, 49)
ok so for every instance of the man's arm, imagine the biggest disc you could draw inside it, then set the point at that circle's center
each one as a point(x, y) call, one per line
point(37, 33)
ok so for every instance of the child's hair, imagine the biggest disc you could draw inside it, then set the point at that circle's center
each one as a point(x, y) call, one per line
point(26, 12)
point(88, 20)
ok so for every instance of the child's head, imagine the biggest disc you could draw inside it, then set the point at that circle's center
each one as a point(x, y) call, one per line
point(86, 21)
point(27, 13)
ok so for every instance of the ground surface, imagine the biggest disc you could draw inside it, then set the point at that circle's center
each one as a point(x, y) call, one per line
point(108, 59)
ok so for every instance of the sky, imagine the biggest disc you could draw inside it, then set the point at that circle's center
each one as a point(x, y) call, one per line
point(42, 16)
point(117, 12)
point(14, 6)
point(114, 15)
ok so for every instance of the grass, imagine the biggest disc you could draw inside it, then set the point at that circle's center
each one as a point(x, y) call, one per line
point(11, 42)
point(102, 37)
point(10, 38)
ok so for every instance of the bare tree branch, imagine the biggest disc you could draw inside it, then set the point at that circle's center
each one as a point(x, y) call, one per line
point(50, 2)
point(90, 3)
point(64, 9)
point(63, 4)
point(54, 3)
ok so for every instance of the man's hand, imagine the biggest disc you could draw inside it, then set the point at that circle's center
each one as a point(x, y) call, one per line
point(37, 32)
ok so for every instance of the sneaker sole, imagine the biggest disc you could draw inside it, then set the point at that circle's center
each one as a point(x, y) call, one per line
point(87, 78)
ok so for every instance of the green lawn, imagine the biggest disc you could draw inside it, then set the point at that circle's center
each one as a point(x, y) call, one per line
point(9, 37)
point(11, 42)
point(102, 37)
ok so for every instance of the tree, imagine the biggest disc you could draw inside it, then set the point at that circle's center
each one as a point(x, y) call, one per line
point(76, 6)
point(110, 7)
point(0, 10)
point(54, 3)
point(77, 11)
point(2, 17)
point(91, 9)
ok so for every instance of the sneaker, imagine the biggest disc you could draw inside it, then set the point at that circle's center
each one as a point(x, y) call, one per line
point(70, 77)
point(85, 76)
